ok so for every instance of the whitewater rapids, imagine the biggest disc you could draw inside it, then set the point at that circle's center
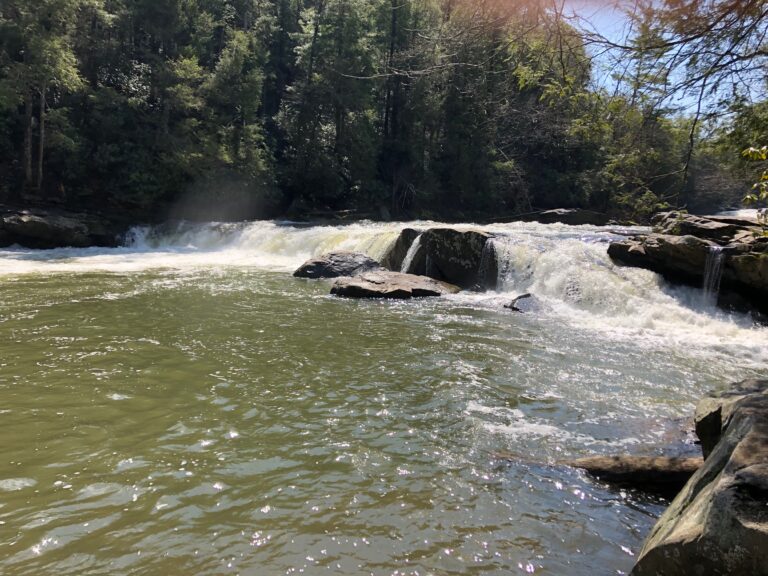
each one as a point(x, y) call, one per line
point(566, 267)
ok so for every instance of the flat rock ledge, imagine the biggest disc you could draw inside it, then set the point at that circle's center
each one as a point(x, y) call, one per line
point(337, 264)
point(391, 285)
point(718, 523)
point(656, 474)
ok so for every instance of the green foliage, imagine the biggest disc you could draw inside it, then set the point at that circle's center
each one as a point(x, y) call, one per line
point(453, 109)
point(759, 192)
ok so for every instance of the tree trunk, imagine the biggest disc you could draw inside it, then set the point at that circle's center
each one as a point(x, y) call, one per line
point(41, 143)
point(28, 139)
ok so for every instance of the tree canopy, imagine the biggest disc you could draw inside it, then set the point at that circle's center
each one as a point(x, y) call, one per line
point(451, 109)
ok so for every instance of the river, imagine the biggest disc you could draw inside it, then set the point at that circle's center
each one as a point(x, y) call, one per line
point(182, 405)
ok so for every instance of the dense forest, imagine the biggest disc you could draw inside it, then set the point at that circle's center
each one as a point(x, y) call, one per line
point(453, 109)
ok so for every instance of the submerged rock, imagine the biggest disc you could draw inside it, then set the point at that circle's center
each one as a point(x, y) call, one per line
point(659, 475)
point(391, 285)
point(47, 229)
point(718, 524)
point(336, 265)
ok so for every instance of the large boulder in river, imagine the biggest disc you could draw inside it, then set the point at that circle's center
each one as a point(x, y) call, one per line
point(48, 229)
point(681, 258)
point(748, 274)
point(336, 265)
point(391, 285)
point(718, 524)
point(450, 255)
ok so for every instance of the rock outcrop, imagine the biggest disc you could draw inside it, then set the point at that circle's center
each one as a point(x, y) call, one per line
point(336, 265)
point(659, 475)
point(446, 254)
point(721, 230)
point(680, 245)
point(718, 524)
point(391, 285)
point(48, 229)
point(678, 258)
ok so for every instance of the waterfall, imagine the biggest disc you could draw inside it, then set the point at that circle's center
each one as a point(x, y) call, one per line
point(410, 255)
point(488, 274)
point(713, 272)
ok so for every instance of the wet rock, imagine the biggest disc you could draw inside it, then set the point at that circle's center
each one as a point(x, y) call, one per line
point(391, 285)
point(336, 265)
point(720, 230)
point(718, 524)
point(572, 217)
point(658, 475)
point(395, 256)
point(748, 275)
point(715, 410)
point(451, 255)
point(680, 258)
point(47, 229)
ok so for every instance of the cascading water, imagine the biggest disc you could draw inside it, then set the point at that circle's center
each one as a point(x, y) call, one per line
point(566, 268)
point(411, 254)
point(713, 273)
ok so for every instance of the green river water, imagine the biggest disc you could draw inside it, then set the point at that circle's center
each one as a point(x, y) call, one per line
point(182, 406)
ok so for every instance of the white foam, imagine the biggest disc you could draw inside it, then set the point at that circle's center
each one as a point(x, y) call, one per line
point(16, 484)
point(566, 267)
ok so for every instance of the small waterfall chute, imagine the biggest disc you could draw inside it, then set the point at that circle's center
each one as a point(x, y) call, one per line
point(413, 250)
point(488, 273)
point(713, 273)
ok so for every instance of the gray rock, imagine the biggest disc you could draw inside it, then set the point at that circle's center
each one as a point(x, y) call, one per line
point(391, 285)
point(721, 230)
point(680, 258)
point(336, 265)
point(659, 475)
point(718, 524)
point(454, 256)
point(46, 230)
point(748, 274)
point(715, 410)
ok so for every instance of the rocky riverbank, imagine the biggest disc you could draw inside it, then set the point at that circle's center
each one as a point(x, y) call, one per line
point(718, 524)
point(681, 246)
point(49, 228)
